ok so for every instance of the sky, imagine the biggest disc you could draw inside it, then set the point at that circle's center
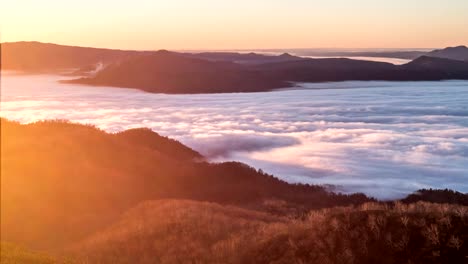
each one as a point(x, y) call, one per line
point(240, 24)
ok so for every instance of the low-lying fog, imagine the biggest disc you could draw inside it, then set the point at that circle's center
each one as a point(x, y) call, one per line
point(385, 139)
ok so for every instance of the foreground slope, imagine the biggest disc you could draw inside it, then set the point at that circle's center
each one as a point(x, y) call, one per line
point(70, 180)
point(14, 254)
point(196, 232)
point(183, 231)
point(188, 232)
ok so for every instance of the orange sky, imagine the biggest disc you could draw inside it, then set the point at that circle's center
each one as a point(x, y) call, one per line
point(241, 24)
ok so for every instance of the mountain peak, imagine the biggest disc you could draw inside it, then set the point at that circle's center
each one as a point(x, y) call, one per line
point(164, 52)
point(286, 55)
point(438, 63)
point(454, 53)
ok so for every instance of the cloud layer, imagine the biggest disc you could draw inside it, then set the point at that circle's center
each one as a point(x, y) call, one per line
point(382, 138)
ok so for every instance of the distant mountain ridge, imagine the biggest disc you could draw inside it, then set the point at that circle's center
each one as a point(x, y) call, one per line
point(160, 74)
point(244, 58)
point(452, 53)
point(32, 56)
point(225, 72)
point(438, 64)
point(170, 72)
point(47, 57)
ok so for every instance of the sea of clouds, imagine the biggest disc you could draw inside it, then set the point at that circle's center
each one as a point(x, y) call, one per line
point(385, 139)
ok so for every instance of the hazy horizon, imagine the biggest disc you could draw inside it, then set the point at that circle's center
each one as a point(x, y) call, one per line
point(273, 50)
point(216, 25)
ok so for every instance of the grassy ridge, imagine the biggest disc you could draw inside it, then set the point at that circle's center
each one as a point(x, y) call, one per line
point(194, 232)
point(184, 231)
point(14, 254)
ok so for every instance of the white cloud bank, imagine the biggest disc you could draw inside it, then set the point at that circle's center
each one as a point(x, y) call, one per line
point(382, 138)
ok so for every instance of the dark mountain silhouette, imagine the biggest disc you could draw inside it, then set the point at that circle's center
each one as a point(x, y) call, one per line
point(170, 72)
point(437, 196)
point(243, 58)
point(437, 68)
point(187, 75)
point(453, 53)
point(334, 69)
point(433, 63)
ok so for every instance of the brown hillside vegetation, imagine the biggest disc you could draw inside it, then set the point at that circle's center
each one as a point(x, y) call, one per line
point(183, 231)
point(176, 231)
point(195, 232)
point(63, 181)
point(14, 254)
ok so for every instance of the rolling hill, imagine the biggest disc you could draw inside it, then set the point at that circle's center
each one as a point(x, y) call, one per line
point(452, 53)
point(71, 180)
point(170, 72)
point(200, 232)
